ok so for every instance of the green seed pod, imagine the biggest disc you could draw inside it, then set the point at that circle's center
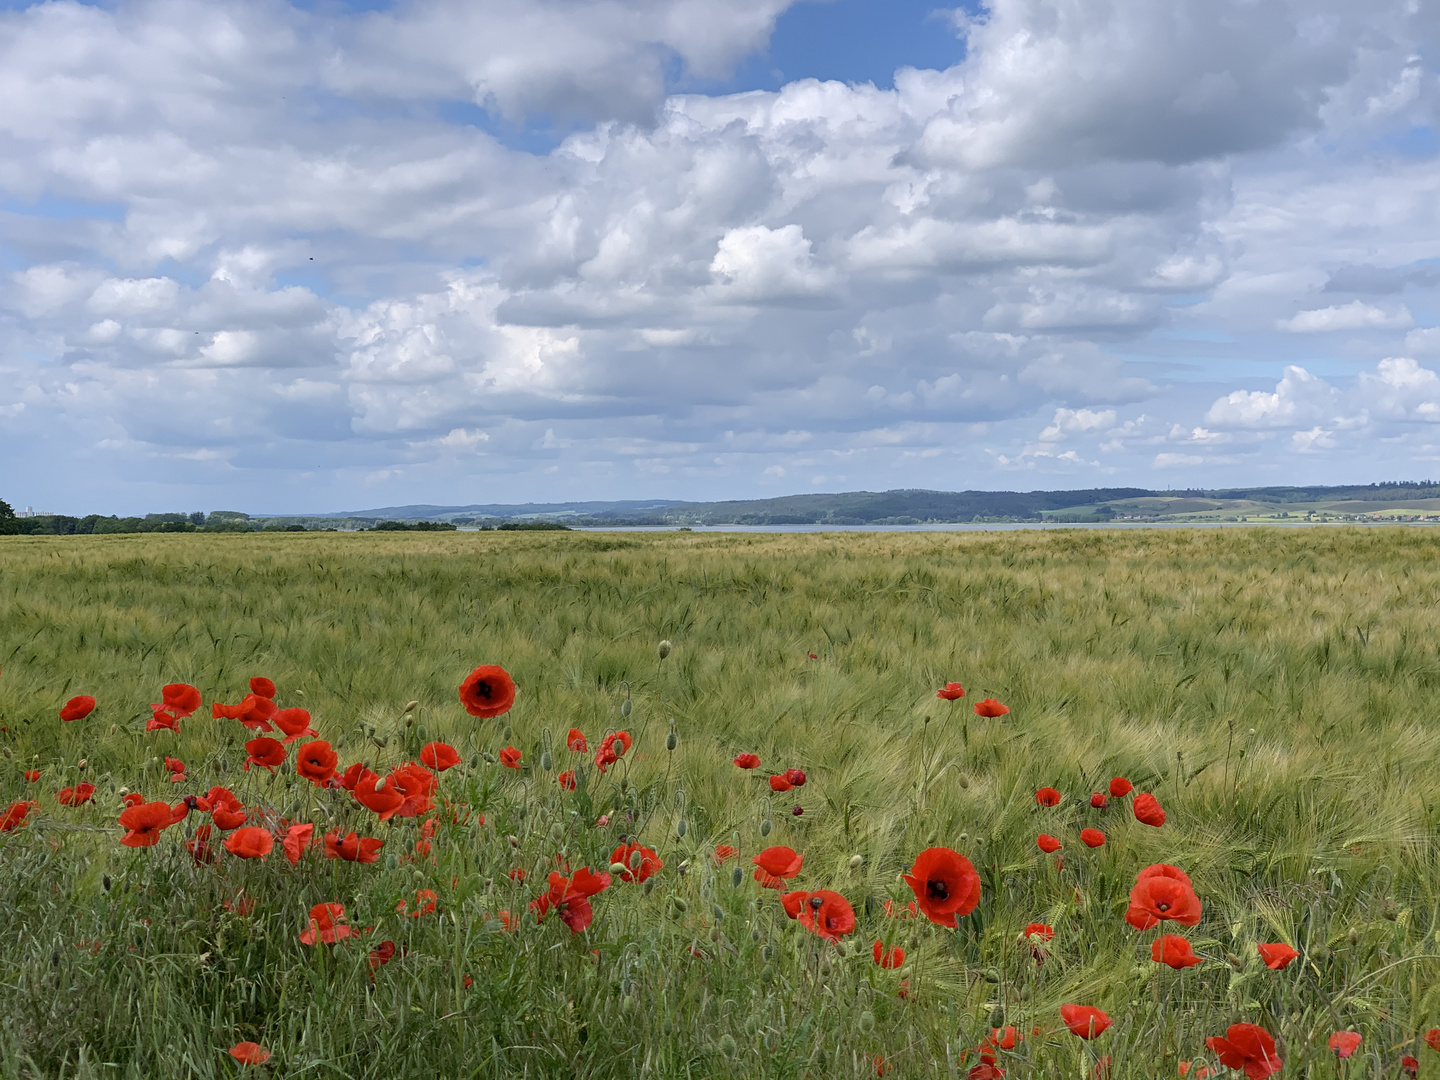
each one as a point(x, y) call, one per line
point(765, 827)
point(672, 741)
point(625, 708)
point(997, 1016)
point(990, 975)
point(964, 783)
point(423, 732)
point(624, 783)
point(717, 911)
point(618, 868)
point(679, 903)
point(857, 861)
point(727, 1045)
point(867, 1022)
point(637, 860)
point(767, 952)
point(392, 861)
point(680, 827)
point(755, 934)
point(767, 974)
point(664, 649)
point(737, 877)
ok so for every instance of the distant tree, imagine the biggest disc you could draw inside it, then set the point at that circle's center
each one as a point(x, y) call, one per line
point(197, 518)
point(9, 523)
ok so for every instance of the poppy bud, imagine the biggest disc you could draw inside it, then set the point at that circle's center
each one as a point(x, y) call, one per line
point(798, 811)
point(718, 912)
point(546, 761)
point(522, 811)
point(410, 706)
point(679, 902)
point(1234, 961)
point(628, 1003)
point(867, 1022)
point(664, 649)
point(475, 761)
point(737, 877)
point(625, 707)
point(765, 827)
point(105, 882)
point(672, 741)
point(423, 732)
point(680, 827)
point(1353, 936)
point(997, 1016)
point(392, 861)
point(618, 868)
point(82, 763)
point(1319, 952)
point(507, 733)
point(727, 1042)
point(624, 783)
point(990, 975)
point(513, 840)
point(380, 784)
point(409, 721)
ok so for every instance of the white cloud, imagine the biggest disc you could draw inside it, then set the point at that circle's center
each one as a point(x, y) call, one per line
point(1355, 315)
point(1078, 422)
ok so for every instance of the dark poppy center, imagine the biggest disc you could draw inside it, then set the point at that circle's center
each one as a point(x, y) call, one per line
point(1162, 906)
point(936, 889)
point(482, 690)
point(817, 902)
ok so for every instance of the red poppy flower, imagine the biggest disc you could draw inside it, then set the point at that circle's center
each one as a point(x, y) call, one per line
point(31, 775)
point(1084, 1021)
point(1432, 1038)
point(892, 959)
point(250, 842)
point(1201, 1070)
point(18, 811)
point(1277, 955)
point(1099, 800)
point(776, 865)
point(352, 848)
point(567, 780)
point(779, 783)
point(747, 761)
point(297, 839)
point(424, 904)
point(77, 708)
point(487, 691)
point(315, 761)
point(1092, 837)
point(575, 741)
point(1047, 796)
point(143, 824)
point(1147, 810)
point(327, 925)
point(180, 811)
point(249, 1053)
point(951, 691)
point(1120, 787)
point(1047, 843)
point(439, 756)
point(295, 723)
point(1174, 951)
point(1249, 1047)
point(199, 846)
point(1410, 1066)
point(990, 707)
point(254, 712)
point(1003, 1038)
point(1344, 1043)
point(570, 897)
point(649, 862)
point(417, 784)
point(612, 749)
point(823, 912)
point(1037, 931)
point(796, 777)
point(354, 774)
point(724, 851)
point(909, 911)
point(174, 765)
point(375, 794)
point(76, 796)
point(382, 954)
point(510, 757)
point(262, 687)
point(945, 885)
point(1162, 892)
point(266, 752)
point(985, 1071)
point(134, 798)
point(161, 720)
point(180, 699)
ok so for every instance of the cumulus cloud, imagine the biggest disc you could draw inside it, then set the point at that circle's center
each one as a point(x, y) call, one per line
point(1355, 315)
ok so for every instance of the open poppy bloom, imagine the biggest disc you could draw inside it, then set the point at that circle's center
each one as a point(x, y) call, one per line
point(649, 862)
point(1432, 1038)
point(1344, 1043)
point(824, 912)
point(295, 723)
point(575, 741)
point(990, 708)
point(439, 756)
point(143, 824)
point(570, 897)
point(352, 848)
point(612, 749)
point(254, 712)
point(951, 691)
point(567, 780)
point(1174, 951)
point(134, 798)
point(1147, 810)
point(77, 708)
point(723, 852)
point(1249, 1047)
point(354, 774)
point(1047, 843)
point(424, 904)
point(376, 794)
point(747, 761)
point(1201, 1070)
point(297, 839)
point(1037, 931)
point(945, 885)
point(1092, 837)
point(327, 925)
point(382, 954)
point(225, 809)
point(795, 777)
point(1120, 787)
point(1003, 1038)
point(262, 687)
point(510, 757)
point(199, 846)
point(250, 842)
point(1047, 796)
point(417, 784)
point(31, 775)
point(249, 1053)
point(180, 699)
point(162, 719)
point(175, 767)
point(266, 752)
point(76, 796)
point(779, 783)
point(316, 762)
point(775, 865)
point(19, 810)
point(1084, 1021)
point(1277, 955)
point(1099, 800)
point(487, 691)
point(892, 959)
point(1162, 892)
point(1410, 1066)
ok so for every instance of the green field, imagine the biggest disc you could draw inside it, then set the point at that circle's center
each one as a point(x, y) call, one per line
point(1275, 689)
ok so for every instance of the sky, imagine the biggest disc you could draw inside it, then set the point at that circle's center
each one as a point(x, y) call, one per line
point(324, 256)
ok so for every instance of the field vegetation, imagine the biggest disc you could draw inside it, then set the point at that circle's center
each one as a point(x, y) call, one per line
point(1273, 689)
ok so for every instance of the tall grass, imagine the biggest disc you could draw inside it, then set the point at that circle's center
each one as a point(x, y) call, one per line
point(1275, 689)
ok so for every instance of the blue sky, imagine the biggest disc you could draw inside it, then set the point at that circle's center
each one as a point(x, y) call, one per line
point(287, 257)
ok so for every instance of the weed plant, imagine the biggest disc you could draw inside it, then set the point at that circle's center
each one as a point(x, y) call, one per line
point(1274, 689)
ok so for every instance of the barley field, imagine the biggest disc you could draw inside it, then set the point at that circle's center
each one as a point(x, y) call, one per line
point(1274, 691)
